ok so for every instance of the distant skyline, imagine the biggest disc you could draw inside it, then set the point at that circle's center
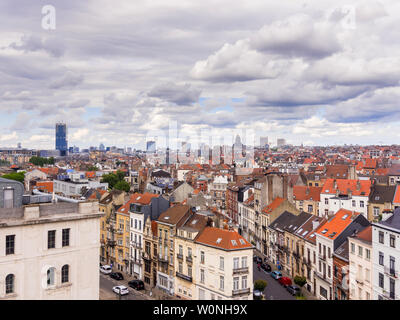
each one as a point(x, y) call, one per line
point(312, 72)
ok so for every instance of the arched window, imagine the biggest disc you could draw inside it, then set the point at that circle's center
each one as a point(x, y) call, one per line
point(50, 276)
point(65, 274)
point(10, 283)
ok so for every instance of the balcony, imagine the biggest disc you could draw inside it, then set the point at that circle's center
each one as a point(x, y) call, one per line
point(296, 255)
point(391, 272)
point(146, 256)
point(179, 256)
point(162, 258)
point(307, 261)
point(183, 276)
point(119, 231)
point(111, 243)
point(359, 280)
point(240, 292)
point(189, 259)
point(240, 270)
point(137, 245)
point(321, 275)
point(322, 256)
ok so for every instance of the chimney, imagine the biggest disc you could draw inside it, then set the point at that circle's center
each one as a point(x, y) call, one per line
point(315, 224)
point(307, 191)
point(358, 185)
point(334, 184)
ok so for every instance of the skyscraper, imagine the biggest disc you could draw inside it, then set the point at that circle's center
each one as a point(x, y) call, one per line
point(151, 146)
point(61, 138)
point(280, 142)
point(263, 141)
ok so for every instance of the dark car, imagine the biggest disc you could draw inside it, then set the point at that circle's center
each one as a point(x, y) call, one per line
point(294, 290)
point(257, 259)
point(136, 284)
point(117, 275)
point(266, 267)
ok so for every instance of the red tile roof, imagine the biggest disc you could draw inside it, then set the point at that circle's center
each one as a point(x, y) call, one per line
point(273, 205)
point(307, 193)
point(336, 225)
point(144, 199)
point(344, 184)
point(223, 239)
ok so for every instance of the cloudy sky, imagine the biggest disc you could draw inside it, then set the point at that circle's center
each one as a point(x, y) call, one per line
point(313, 72)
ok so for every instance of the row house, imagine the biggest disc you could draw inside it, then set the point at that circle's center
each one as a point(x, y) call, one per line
point(149, 254)
point(360, 265)
point(386, 257)
point(217, 189)
point(167, 223)
point(142, 207)
point(269, 214)
point(307, 198)
point(223, 266)
point(344, 194)
point(340, 281)
point(329, 237)
point(381, 199)
point(185, 260)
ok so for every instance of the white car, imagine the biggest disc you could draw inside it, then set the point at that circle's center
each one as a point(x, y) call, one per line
point(105, 269)
point(122, 290)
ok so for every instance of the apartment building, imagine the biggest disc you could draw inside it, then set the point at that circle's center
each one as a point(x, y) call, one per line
point(307, 198)
point(167, 223)
point(224, 270)
point(360, 265)
point(386, 257)
point(185, 259)
point(329, 237)
point(381, 199)
point(217, 190)
point(340, 281)
point(50, 252)
point(346, 194)
point(149, 254)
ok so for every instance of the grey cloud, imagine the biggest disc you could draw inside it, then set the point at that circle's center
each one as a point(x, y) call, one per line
point(69, 79)
point(179, 94)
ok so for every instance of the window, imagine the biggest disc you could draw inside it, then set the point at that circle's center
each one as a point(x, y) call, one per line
point(381, 237)
point(244, 262)
point(353, 203)
point(189, 271)
point(381, 278)
point(51, 239)
point(323, 292)
point(202, 257)
point(221, 263)
point(190, 252)
point(381, 258)
point(50, 276)
point(236, 283)
point(360, 251)
point(376, 211)
point(361, 204)
point(235, 263)
point(244, 282)
point(326, 201)
point(180, 249)
point(65, 274)
point(202, 276)
point(391, 265)
point(310, 208)
point(392, 241)
point(353, 248)
point(10, 244)
point(10, 279)
point(392, 285)
point(65, 237)
point(221, 283)
point(367, 254)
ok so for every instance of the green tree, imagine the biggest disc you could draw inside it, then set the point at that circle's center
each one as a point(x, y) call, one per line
point(17, 176)
point(120, 175)
point(40, 161)
point(92, 168)
point(260, 285)
point(300, 281)
point(122, 185)
point(111, 179)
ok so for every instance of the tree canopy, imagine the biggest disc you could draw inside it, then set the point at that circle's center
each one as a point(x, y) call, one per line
point(122, 185)
point(17, 176)
point(40, 161)
point(113, 178)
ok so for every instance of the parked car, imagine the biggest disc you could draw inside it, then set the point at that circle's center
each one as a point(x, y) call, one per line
point(136, 284)
point(257, 259)
point(122, 290)
point(266, 267)
point(293, 289)
point(276, 274)
point(117, 275)
point(285, 281)
point(257, 295)
point(105, 269)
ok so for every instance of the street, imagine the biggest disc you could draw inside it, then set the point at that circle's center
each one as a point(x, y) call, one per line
point(273, 291)
point(106, 293)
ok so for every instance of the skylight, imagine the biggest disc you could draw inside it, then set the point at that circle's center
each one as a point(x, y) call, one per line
point(345, 216)
point(242, 241)
point(304, 233)
point(194, 221)
point(377, 198)
point(312, 235)
point(324, 231)
point(219, 240)
point(298, 231)
point(166, 218)
point(234, 243)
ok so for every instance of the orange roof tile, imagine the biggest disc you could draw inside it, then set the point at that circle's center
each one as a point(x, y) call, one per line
point(273, 205)
point(307, 193)
point(335, 226)
point(344, 184)
point(223, 239)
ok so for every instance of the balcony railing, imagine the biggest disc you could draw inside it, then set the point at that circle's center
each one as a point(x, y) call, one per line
point(137, 245)
point(320, 275)
point(189, 259)
point(146, 256)
point(162, 258)
point(240, 270)
point(322, 256)
point(240, 291)
point(179, 256)
point(183, 276)
point(391, 272)
point(111, 243)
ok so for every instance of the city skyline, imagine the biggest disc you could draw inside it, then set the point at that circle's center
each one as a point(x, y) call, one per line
point(201, 69)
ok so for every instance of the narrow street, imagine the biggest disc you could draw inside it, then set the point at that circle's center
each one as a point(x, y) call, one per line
point(106, 293)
